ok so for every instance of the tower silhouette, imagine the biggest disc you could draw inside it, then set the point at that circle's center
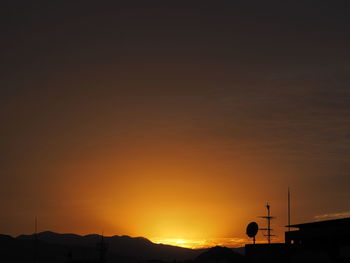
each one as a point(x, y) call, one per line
point(102, 249)
point(268, 229)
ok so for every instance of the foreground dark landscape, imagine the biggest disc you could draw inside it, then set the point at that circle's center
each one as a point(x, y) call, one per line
point(319, 241)
point(53, 247)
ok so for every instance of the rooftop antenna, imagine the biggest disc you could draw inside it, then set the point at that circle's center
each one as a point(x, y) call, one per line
point(268, 229)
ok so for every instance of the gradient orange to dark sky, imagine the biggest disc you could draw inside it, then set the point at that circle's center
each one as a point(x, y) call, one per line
point(173, 121)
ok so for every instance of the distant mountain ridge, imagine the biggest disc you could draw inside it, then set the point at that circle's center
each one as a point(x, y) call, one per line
point(54, 247)
point(86, 240)
point(126, 247)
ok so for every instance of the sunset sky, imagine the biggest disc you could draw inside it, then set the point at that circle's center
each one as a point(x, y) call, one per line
point(173, 120)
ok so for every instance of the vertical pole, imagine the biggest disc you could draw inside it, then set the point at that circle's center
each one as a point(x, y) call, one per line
point(268, 224)
point(288, 210)
point(36, 227)
point(36, 240)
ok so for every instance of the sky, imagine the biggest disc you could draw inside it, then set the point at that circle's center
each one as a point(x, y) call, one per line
point(173, 120)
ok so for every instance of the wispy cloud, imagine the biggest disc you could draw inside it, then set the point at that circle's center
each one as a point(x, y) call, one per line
point(333, 215)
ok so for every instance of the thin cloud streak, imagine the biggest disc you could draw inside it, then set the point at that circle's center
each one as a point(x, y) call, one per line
point(333, 215)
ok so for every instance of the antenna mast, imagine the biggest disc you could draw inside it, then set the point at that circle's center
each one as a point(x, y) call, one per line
point(268, 229)
point(102, 248)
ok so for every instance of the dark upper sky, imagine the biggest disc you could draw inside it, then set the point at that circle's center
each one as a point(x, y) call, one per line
point(227, 101)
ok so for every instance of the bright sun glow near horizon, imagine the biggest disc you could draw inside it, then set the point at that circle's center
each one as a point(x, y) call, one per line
point(200, 243)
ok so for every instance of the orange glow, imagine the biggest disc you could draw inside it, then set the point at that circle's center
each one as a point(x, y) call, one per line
point(175, 122)
point(169, 195)
point(174, 187)
point(201, 243)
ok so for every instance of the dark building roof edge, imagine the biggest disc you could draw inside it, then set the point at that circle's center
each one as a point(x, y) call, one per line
point(324, 222)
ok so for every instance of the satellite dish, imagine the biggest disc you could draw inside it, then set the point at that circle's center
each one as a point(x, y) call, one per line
point(252, 230)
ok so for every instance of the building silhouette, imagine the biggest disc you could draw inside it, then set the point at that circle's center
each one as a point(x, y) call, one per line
point(331, 238)
point(322, 241)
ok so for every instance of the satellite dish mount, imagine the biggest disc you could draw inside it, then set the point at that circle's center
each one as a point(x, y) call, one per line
point(252, 230)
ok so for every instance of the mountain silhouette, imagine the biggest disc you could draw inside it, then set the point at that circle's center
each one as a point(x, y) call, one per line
point(16, 250)
point(55, 247)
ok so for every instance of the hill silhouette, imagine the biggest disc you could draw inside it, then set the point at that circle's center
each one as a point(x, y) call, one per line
point(54, 247)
